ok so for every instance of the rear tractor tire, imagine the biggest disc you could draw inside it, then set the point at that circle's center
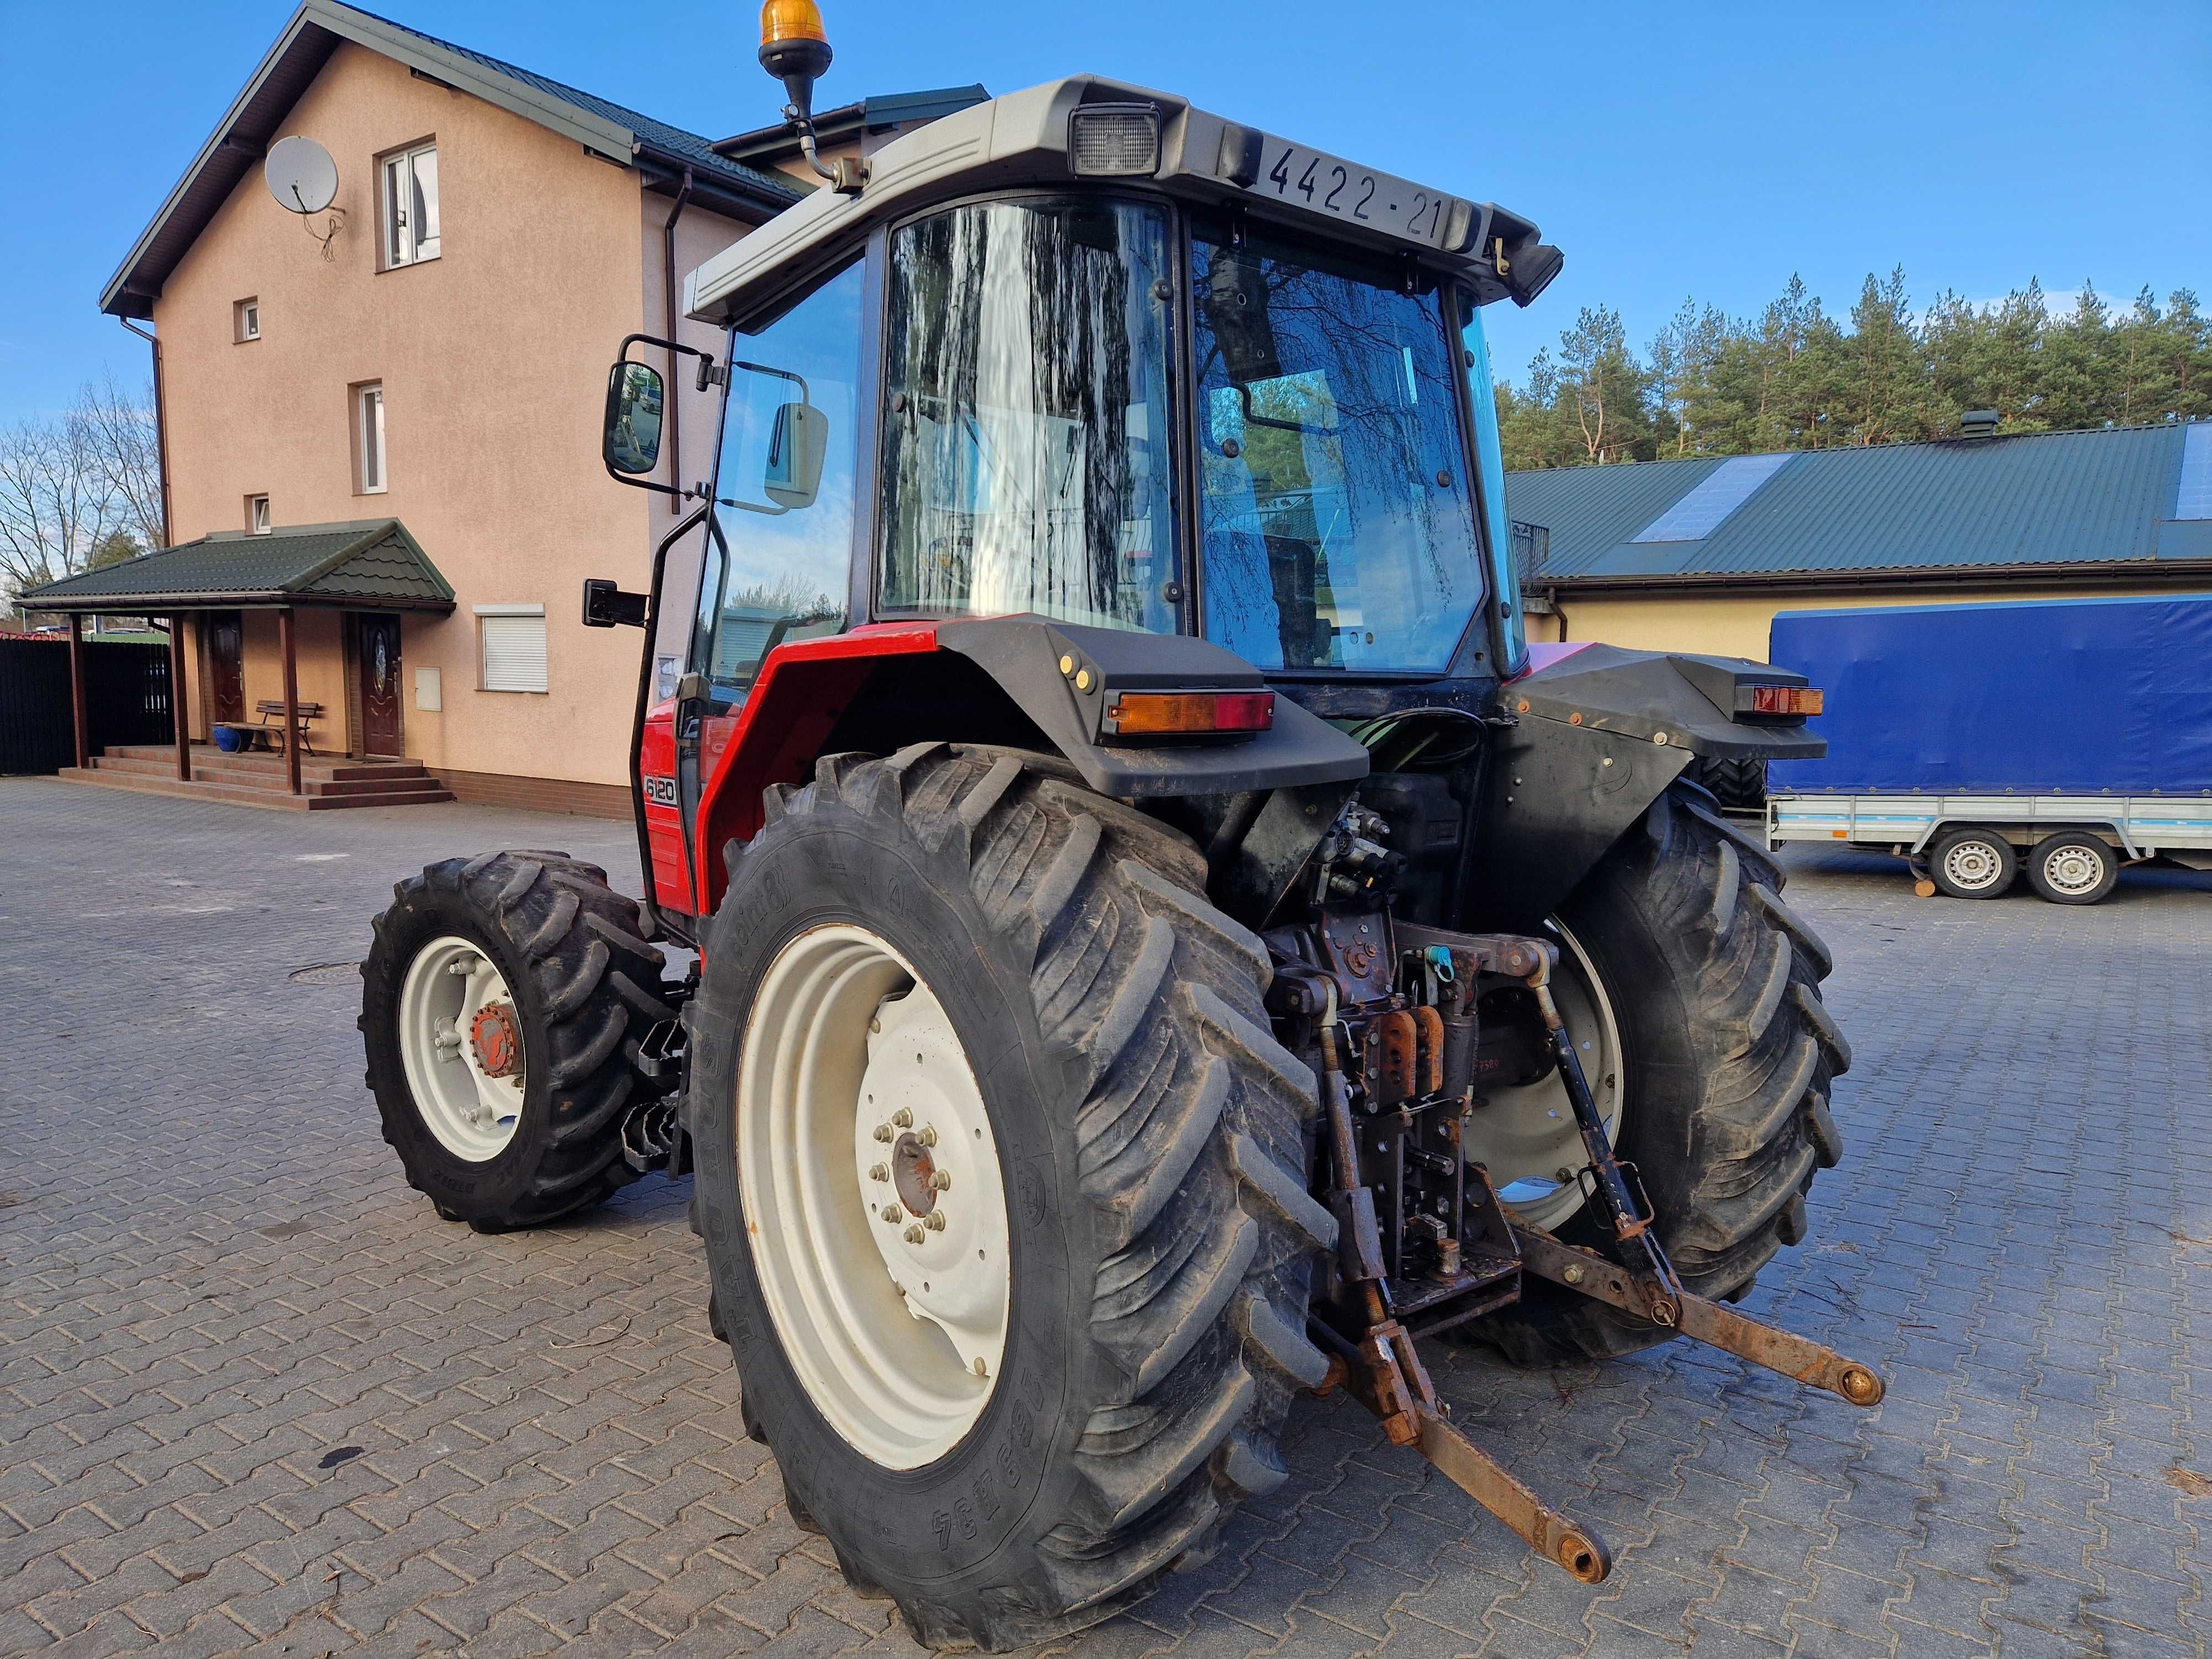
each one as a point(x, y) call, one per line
point(499, 1002)
point(1725, 1055)
point(1000, 1174)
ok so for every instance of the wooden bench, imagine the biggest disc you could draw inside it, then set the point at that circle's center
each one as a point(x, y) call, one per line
point(263, 734)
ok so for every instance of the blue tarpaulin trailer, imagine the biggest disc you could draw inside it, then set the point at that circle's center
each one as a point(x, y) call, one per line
point(2062, 737)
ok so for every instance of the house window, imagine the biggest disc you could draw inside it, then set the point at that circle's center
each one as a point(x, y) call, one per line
point(368, 436)
point(256, 515)
point(514, 646)
point(246, 320)
point(410, 206)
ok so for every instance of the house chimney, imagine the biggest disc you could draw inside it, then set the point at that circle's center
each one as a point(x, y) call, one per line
point(1978, 423)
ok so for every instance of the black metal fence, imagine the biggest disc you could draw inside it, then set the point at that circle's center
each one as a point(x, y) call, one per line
point(1532, 550)
point(126, 699)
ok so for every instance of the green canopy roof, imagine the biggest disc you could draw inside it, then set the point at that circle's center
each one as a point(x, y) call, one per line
point(371, 564)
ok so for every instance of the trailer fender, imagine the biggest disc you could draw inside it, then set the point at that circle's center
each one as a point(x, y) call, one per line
point(1597, 733)
point(1022, 680)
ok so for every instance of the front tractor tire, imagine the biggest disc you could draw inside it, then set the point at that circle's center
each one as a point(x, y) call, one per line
point(1000, 1177)
point(1727, 1056)
point(499, 1001)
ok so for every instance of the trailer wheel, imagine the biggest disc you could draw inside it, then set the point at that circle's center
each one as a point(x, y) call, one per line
point(1972, 863)
point(1000, 1176)
point(2072, 867)
point(1706, 987)
point(497, 1001)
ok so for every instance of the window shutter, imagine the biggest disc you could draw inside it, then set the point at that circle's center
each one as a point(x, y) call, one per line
point(513, 652)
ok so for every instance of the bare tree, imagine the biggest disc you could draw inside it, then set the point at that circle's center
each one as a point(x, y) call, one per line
point(79, 490)
point(56, 506)
point(119, 431)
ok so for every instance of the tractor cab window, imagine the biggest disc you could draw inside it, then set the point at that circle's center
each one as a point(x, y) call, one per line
point(780, 545)
point(1027, 433)
point(1337, 524)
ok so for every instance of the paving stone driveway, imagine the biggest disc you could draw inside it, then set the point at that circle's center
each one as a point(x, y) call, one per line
point(254, 1395)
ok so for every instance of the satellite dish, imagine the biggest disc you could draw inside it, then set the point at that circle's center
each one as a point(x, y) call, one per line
point(302, 175)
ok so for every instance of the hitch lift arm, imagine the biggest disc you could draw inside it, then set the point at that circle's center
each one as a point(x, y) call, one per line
point(1379, 1364)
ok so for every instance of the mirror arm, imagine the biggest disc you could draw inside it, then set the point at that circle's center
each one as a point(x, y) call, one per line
point(1244, 396)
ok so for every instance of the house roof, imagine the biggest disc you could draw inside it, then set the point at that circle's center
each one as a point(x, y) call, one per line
point(372, 562)
point(2055, 504)
point(833, 126)
point(259, 113)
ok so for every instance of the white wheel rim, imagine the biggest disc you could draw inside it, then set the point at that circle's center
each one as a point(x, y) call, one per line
point(2073, 870)
point(450, 986)
point(1972, 865)
point(854, 1091)
point(1527, 1137)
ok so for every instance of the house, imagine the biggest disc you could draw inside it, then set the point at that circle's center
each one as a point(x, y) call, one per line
point(381, 421)
point(1698, 554)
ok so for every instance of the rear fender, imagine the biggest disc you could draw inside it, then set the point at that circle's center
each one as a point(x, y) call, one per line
point(1599, 732)
point(813, 696)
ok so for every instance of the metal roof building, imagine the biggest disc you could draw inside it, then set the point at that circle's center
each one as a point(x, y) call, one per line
point(1696, 554)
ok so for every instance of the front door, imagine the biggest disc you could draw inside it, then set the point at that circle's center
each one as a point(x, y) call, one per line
point(226, 659)
point(378, 639)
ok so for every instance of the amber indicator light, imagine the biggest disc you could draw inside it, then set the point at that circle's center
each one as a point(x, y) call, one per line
point(1178, 713)
point(1800, 700)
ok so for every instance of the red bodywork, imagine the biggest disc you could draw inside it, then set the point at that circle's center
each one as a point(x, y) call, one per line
point(774, 738)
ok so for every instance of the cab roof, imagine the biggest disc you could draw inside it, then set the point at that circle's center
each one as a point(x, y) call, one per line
point(1022, 139)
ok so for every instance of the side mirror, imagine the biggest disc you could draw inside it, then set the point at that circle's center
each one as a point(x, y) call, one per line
point(796, 446)
point(631, 441)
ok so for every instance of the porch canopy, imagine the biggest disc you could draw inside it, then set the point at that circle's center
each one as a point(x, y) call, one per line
point(369, 564)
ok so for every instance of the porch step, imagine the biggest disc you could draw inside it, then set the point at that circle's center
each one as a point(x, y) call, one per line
point(163, 757)
point(314, 780)
point(407, 786)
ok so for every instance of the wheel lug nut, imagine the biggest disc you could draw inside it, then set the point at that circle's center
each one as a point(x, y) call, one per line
point(982, 1370)
point(914, 1235)
point(890, 1212)
point(903, 1118)
point(879, 1172)
point(928, 1136)
point(934, 1221)
point(941, 1181)
point(883, 1132)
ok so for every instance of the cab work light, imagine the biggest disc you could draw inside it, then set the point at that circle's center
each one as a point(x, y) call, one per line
point(1114, 140)
point(1190, 713)
point(1796, 701)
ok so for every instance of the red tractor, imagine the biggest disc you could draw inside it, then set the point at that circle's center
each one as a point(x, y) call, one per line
point(1163, 941)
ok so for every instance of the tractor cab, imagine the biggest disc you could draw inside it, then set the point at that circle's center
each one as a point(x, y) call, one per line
point(1090, 353)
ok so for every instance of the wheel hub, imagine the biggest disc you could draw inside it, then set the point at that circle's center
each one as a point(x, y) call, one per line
point(943, 1239)
point(461, 1047)
point(1970, 864)
point(2072, 870)
point(869, 1176)
point(497, 1039)
point(913, 1171)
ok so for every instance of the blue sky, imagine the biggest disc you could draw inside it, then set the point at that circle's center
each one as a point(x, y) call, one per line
point(1684, 149)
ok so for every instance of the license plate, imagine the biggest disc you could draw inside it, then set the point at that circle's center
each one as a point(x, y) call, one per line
point(1330, 186)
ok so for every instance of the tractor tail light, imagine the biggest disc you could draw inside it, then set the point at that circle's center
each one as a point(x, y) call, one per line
point(1190, 713)
point(1796, 701)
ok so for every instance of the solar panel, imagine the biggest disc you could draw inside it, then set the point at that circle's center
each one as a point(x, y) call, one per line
point(1723, 490)
point(2192, 498)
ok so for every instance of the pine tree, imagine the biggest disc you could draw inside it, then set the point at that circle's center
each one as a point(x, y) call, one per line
point(1795, 378)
